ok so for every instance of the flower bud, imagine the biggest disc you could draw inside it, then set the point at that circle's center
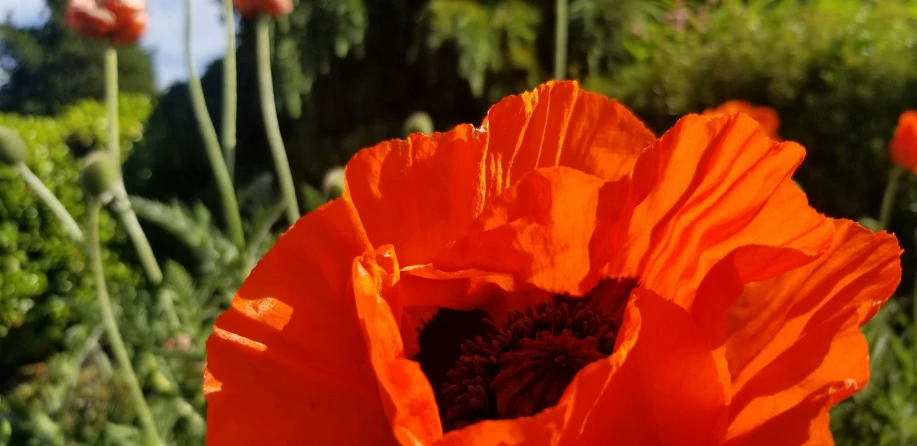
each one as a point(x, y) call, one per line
point(871, 224)
point(12, 148)
point(101, 174)
point(160, 383)
point(418, 122)
point(333, 183)
point(273, 8)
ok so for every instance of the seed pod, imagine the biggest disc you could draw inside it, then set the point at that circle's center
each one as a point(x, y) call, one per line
point(101, 174)
point(418, 122)
point(12, 148)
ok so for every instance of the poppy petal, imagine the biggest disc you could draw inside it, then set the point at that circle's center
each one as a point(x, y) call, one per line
point(669, 389)
point(288, 362)
point(559, 124)
point(806, 423)
point(826, 364)
point(527, 233)
point(806, 236)
point(422, 193)
point(406, 392)
point(706, 183)
point(797, 335)
point(860, 270)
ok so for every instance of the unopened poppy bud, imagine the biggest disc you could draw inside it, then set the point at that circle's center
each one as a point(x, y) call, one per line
point(159, 382)
point(6, 431)
point(333, 184)
point(273, 8)
point(12, 148)
point(871, 224)
point(418, 122)
point(101, 174)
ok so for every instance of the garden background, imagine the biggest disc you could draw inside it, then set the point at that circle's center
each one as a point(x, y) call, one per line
point(350, 73)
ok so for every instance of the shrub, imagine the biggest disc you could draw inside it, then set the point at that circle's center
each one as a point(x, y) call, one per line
point(44, 280)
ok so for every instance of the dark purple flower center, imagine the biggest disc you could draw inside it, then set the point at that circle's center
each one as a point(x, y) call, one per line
point(482, 370)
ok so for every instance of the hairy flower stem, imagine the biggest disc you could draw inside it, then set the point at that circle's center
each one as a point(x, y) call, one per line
point(229, 89)
point(122, 206)
point(48, 197)
point(888, 199)
point(211, 143)
point(111, 328)
point(271, 125)
point(111, 100)
point(560, 40)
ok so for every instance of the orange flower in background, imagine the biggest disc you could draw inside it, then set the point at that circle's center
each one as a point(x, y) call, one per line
point(556, 276)
point(118, 21)
point(273, 8)
point(903, 148)
point(766, 116)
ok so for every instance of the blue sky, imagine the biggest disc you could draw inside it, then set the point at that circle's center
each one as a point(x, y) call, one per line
point(164, 37)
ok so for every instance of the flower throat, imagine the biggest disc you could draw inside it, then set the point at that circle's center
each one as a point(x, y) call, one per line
point(484, 370)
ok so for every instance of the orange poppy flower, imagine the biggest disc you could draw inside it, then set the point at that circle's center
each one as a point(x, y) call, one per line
point(766, 116)
point(273, 8)
point(556, 276)
point(903, 148)
point(118, 21)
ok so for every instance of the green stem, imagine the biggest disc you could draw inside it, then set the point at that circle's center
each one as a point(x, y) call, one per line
point(111, 327)
point(229, 89)
point(560, 41)
point(271, 125)
point(48, 197)
point(211, 143)
point(888, 199)
point(111, 100)
point(122, 206)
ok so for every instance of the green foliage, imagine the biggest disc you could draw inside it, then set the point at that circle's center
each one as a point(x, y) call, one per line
point(824, 65)
point(44, 282)
point(489, 37)
point(307, 40)
point(599, 29)
point(191, 233)
point(885, 413)
point(78, 395)
point(49, 67)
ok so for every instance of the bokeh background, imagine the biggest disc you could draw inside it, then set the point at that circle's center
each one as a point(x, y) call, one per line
point(348, 73)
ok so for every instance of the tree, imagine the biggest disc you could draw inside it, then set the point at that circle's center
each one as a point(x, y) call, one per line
point(48, 67)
